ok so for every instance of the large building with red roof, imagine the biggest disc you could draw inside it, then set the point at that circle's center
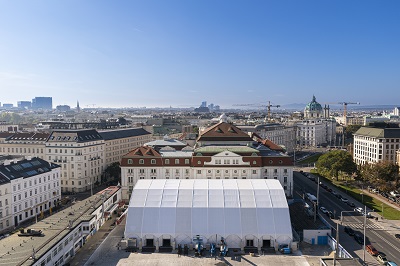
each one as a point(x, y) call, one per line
point(222, 151)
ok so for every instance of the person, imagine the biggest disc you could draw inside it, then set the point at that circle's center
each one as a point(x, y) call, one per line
point(179, 250)
point(186, 250)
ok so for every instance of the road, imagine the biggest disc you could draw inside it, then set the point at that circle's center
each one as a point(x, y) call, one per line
point(375, 234)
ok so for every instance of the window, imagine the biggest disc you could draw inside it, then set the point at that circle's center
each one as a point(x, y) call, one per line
point(130, 161)
point(186, 161)
point(199, 172)
point(254, 172)
point(285, 179)
point(176, 161)
point(141, 161)
point(166, 161)
point(153, 161)
point(254, 162)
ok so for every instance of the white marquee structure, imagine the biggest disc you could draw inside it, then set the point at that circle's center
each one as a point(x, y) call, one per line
point(246, 213)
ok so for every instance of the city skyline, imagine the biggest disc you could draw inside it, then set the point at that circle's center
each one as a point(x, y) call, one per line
point(177, 53)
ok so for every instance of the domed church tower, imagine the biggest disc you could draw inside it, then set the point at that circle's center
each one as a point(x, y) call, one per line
point(313, 109)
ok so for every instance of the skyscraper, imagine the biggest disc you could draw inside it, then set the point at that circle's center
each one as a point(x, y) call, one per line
point(45, 103)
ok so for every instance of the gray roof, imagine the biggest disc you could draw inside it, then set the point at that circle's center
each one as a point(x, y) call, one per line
point(123, 133)
point(26, 168)
point(165, 142)
point(379, 132)
point(17, 250)
point(80, 136)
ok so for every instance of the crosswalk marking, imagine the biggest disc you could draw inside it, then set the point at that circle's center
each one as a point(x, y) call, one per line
point(361, 226)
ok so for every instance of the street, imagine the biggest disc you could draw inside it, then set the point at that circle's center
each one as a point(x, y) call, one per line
point(375, 233)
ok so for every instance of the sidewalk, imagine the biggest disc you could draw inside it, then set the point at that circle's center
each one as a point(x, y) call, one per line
point(391, 226)
point(93, 243)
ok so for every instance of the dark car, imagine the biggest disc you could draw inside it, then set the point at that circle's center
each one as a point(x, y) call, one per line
point(330, 214)
point(351, 204)
point(359, 239)
point(349, 231)
point(397, 236)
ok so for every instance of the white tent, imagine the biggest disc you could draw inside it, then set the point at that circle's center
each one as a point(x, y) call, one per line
point(235, 209)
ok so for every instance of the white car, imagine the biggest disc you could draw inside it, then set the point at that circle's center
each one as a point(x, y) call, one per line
point(323, 209)
point(359, 210)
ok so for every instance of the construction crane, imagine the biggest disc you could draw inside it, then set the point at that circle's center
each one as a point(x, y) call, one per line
point(269, 105)
point(344, 106)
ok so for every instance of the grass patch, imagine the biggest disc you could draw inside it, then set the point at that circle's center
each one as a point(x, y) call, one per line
point(311, 159)
point(371, 202)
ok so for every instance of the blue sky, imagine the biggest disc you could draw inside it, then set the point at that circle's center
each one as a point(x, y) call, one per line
point(179, 53)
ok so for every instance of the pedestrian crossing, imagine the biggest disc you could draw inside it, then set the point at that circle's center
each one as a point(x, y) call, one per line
point(361, 226)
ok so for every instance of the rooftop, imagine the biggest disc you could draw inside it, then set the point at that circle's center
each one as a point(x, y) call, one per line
point(18, 250)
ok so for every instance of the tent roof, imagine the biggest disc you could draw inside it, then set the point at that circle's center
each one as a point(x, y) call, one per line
point(183, 208)
point(253, 193)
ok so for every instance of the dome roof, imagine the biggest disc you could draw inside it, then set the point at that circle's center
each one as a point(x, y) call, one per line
point(313, 105)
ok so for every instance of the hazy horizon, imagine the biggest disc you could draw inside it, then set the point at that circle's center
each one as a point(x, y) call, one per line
point(180, 53)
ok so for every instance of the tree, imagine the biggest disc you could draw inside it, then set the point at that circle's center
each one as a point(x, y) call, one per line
point(382, 175)
point(331, 163)
point(114, 171)
point(350, 130)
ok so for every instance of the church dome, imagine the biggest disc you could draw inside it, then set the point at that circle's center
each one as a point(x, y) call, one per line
point(313, 105)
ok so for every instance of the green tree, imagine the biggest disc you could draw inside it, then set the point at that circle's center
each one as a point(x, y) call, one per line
point(350, 130)
point(382, 175)
point(331, 163)
point(113, 171)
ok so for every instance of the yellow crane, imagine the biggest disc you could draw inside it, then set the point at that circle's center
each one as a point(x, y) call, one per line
point(269, 105)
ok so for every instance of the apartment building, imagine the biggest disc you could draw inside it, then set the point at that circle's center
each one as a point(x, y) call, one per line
point(80, 153)
point(30, 186)
point(120, 142)
point(83, 154)
point(26, 144)
point(373, 145)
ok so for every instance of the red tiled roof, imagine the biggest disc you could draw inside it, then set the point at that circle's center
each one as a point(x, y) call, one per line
point(142, 152)
point(267, 143)
point(224, 131)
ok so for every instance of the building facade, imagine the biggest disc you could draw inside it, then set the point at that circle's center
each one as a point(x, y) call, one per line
point(82, 154)
point(372, 145)
point(317, 128)
point(222, 151)
point(120, 142)
point(44, 103)
point(34, 187)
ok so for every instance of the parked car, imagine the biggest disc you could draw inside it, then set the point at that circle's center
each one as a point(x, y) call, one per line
point(359, 239)
point(371, 250)
point(349, 231)
point(351, 204)
point(284, 248)
point(397, 236)
point(395, 193)
point(391, 263)
point(330, 214)
point(382, 259)
point(323, 209)
point(344, 200)
point(338, 196)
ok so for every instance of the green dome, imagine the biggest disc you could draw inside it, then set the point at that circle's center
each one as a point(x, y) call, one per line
point(313, 105)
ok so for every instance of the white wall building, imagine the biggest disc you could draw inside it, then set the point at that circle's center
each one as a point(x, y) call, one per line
point(317, 128)
point(373, 145)
point(34, 187)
